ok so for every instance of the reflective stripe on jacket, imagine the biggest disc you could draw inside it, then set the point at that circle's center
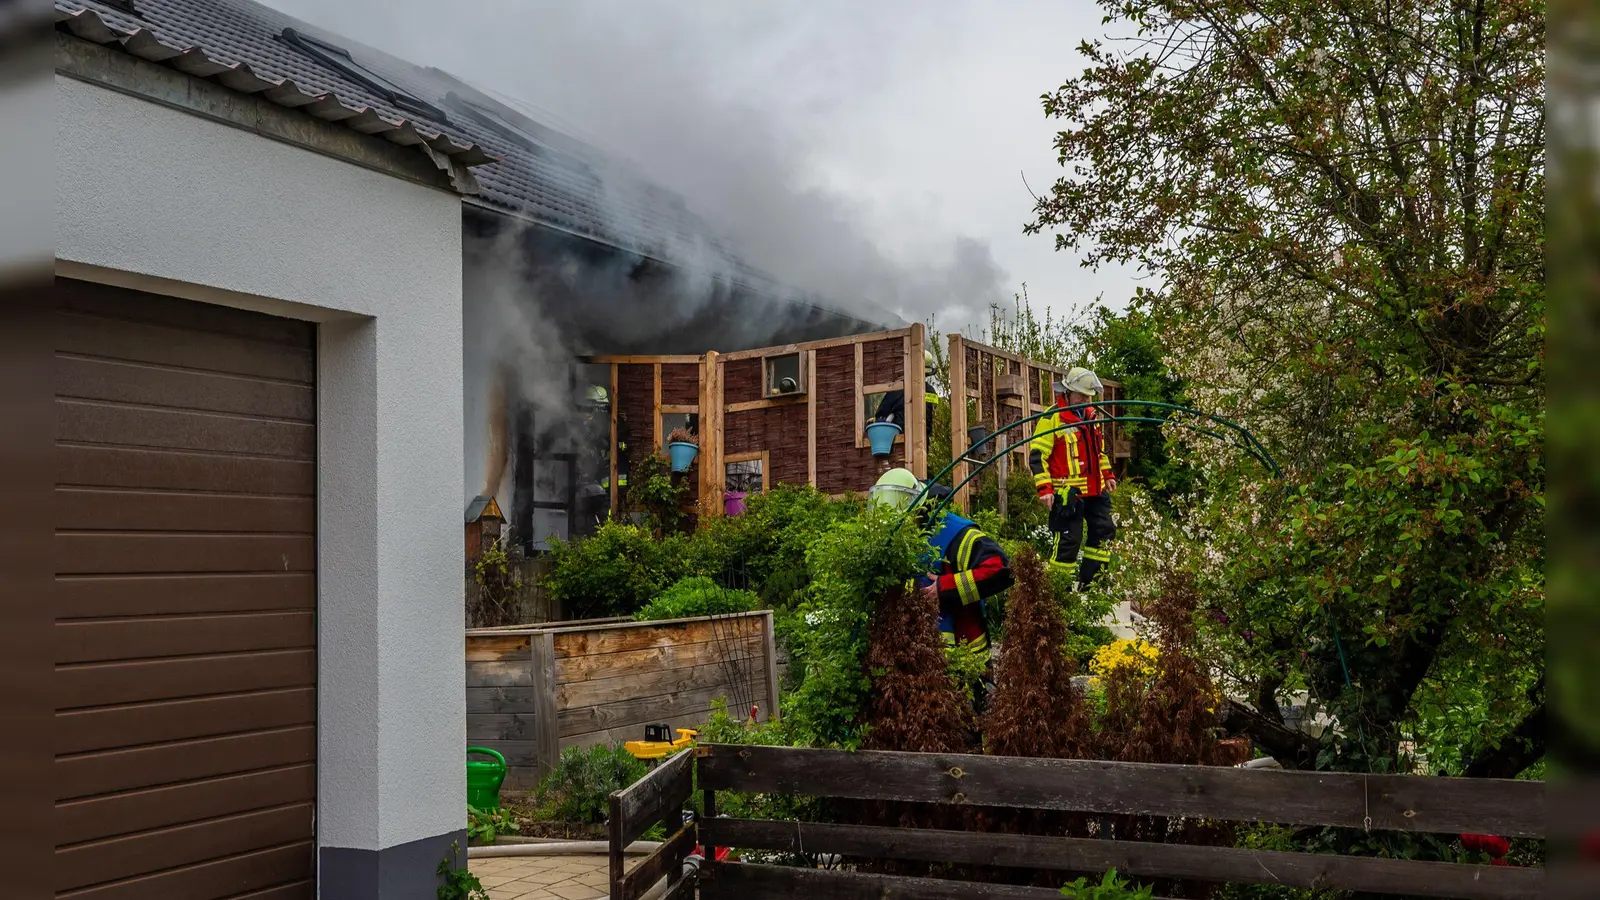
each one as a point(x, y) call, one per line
point(1062, 459)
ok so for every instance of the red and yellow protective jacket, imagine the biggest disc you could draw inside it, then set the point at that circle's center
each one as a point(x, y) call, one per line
point(1070, 458)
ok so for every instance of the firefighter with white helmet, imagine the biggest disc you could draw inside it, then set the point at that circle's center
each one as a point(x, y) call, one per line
point(1072, 474)
point(968, 566)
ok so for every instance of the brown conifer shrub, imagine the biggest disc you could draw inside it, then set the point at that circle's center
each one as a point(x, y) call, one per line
point(914, 705)
point(1164, 714)
point(1035, 711)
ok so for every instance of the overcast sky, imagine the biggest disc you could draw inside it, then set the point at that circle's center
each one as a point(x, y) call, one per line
point(875, 148)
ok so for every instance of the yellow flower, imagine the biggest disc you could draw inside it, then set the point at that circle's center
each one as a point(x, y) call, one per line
point(1123, 653)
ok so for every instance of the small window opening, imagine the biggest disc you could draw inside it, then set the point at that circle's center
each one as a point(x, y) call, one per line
point(784, 375)
point(745, 477)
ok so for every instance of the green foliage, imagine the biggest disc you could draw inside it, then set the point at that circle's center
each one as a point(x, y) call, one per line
point(613, 572)
point(1373, 310)
point(853, 564)
point(967, 667)
point(1110, 887)
point(458, 884)
point(579, 788)
point(484, 825)
point(697, 596)
point(498, 585)
point(767, 544)
point(654, 492)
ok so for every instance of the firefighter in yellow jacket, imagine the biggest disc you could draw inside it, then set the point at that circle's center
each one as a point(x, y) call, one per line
point(1073, 476)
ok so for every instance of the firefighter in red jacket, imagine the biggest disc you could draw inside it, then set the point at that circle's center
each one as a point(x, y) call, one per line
point(1073, 476)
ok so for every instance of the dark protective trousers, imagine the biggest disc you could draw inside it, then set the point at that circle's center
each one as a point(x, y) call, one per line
point(1069, 521)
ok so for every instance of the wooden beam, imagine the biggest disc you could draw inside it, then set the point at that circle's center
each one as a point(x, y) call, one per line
point(815, 345)
point(680, 408)
point(614, 405)
point(744, 881)
point(958, 419)
point(545, 734)
point(861, 418)
point(641, 359)
point(916, 402)
point(1394, 802)
point(811, 418)
point(771, 647)
point(768, 403)
point(655, 411)
point(884, 387)
point(711, 436)
point(1138, 858)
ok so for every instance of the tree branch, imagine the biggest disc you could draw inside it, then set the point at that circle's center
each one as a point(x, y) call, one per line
point(1523, 747)
point(1291, 748)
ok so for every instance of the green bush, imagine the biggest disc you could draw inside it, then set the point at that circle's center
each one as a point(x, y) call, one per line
point(579, 788)
point(697, 596)
point(767, 544)
point(614, 572)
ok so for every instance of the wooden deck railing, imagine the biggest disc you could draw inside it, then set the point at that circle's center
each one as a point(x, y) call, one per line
point(1405, 803)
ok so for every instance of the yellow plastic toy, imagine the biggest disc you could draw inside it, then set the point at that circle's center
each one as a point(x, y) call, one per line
point(659, 749)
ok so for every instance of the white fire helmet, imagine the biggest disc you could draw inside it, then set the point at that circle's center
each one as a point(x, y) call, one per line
point(896, 489)
point(1079, 380)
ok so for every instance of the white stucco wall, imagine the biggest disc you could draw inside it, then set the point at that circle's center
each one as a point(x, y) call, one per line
point(158, 199)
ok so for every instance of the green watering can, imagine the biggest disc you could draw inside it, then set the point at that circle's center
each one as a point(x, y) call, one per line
point(484, 777)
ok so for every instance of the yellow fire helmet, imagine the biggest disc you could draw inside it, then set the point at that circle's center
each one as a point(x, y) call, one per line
point(895, 489)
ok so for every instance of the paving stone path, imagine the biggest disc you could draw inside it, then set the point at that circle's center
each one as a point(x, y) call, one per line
point(545, 877)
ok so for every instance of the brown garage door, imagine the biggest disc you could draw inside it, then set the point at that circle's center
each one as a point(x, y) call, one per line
point(185, 544)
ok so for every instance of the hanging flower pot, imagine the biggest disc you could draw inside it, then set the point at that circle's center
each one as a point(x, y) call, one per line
point(975, 440)
point(682, 454)
point(681, 449)
point(881, 436)
point(733, 502)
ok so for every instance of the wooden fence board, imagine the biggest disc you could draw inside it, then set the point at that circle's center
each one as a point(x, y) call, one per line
point(644, 636)
point(573, 695)
point(742, 881)
point(667, 860)
point(685, 708)
point(512, 673)
point(656, 659)
point(501, 700)
point(644, 803)
point(1218, 864)
point(1394, 802)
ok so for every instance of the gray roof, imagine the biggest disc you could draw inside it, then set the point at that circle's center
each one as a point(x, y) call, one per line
point(522, 167)
point(134, 32)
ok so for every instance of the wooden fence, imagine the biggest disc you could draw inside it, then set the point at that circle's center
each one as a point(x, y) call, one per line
point(535, 690)
point(813, 435)
point(659, 797)
point(1403, 803)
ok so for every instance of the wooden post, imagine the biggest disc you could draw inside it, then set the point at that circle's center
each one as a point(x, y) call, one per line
point(614, 405)
point(770, 645)
point(655, 412)
point(712, 477)
point(916, 403)
point(1001, 470)
point(958, 417)
point(811, 423)
point(546, 735)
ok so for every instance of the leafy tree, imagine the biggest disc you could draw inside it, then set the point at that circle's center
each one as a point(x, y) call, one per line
point(1345, 203)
